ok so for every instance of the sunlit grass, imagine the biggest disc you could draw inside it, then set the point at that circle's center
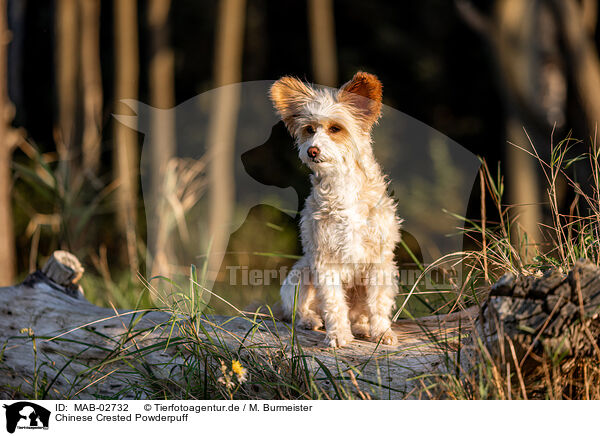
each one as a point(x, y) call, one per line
point(569, 236)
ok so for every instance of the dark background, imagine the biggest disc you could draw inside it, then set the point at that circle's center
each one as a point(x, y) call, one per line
point(435, 64)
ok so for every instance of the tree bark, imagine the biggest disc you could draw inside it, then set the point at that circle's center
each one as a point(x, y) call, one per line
point(126, 149)
point(8, 140)
point(555, 313)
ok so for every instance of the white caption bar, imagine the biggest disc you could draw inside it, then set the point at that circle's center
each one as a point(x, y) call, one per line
point(280, 417)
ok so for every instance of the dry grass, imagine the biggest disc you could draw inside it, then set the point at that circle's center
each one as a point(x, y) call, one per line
point(570, 235)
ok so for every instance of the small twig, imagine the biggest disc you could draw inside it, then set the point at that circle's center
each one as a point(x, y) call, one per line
point(363, 395)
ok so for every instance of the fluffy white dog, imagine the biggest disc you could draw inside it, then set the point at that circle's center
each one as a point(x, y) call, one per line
point(349, 227)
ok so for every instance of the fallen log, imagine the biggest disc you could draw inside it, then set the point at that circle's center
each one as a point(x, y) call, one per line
point(556, 311)
point(55, 344)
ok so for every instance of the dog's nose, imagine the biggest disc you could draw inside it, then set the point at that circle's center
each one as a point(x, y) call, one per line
point(313, 152)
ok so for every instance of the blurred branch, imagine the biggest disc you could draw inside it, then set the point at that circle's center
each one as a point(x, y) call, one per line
point(183, 183)
point(504, 40)
point(582, 56)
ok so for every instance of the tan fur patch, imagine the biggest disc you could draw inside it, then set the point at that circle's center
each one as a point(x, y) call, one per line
point(363, 93)
point(288, 95)
point(340, 136)
point(333, 129)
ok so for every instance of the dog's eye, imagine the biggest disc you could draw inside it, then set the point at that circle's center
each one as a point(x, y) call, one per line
point(310, 130)
point(334, 129)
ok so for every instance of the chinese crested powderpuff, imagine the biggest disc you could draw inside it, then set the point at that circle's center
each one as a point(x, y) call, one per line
point(347, 276)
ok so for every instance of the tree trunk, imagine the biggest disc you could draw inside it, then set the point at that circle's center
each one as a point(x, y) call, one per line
point(7, 236)
point(17, 17)
point(7, 144)
point(516, 49)
point(222, 129)
point(582, 55)
point(322, 42)
point(525, 42)
point(67, 40)
point(91, 85)
point(125, 143)
point(163, 140)
point(545, 313)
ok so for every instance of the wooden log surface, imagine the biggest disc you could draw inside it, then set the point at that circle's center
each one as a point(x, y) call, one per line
point(554, 312)
point(55, 344)
point(72, 338)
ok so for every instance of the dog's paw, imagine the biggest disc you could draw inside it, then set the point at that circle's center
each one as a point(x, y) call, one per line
point(310, 323)
point(338, 340)
point(387, 338)
point(361, 330)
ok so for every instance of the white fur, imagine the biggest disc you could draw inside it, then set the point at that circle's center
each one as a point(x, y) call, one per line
point(349, 227)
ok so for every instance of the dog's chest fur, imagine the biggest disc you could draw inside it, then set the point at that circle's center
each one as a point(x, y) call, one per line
point(346, 221)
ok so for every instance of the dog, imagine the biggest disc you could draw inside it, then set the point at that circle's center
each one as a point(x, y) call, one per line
point(347, 276)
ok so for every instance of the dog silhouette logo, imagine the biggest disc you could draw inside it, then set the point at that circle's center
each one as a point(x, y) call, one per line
point(26, 415)
point(232, 204)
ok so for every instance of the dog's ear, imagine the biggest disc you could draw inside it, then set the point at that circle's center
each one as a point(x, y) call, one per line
point(363, 93)
point(288, 95)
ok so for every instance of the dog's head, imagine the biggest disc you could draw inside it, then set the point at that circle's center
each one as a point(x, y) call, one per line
point(331, 128)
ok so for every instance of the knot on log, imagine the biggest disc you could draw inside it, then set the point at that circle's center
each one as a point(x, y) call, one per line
point(62, 271)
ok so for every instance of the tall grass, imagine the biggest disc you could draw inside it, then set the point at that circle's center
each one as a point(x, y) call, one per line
point(570, 234)
point(214, 355)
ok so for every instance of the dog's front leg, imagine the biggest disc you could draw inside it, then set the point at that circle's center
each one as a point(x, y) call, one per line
point(381, 297)
point(332, 296)
point(298, 292)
